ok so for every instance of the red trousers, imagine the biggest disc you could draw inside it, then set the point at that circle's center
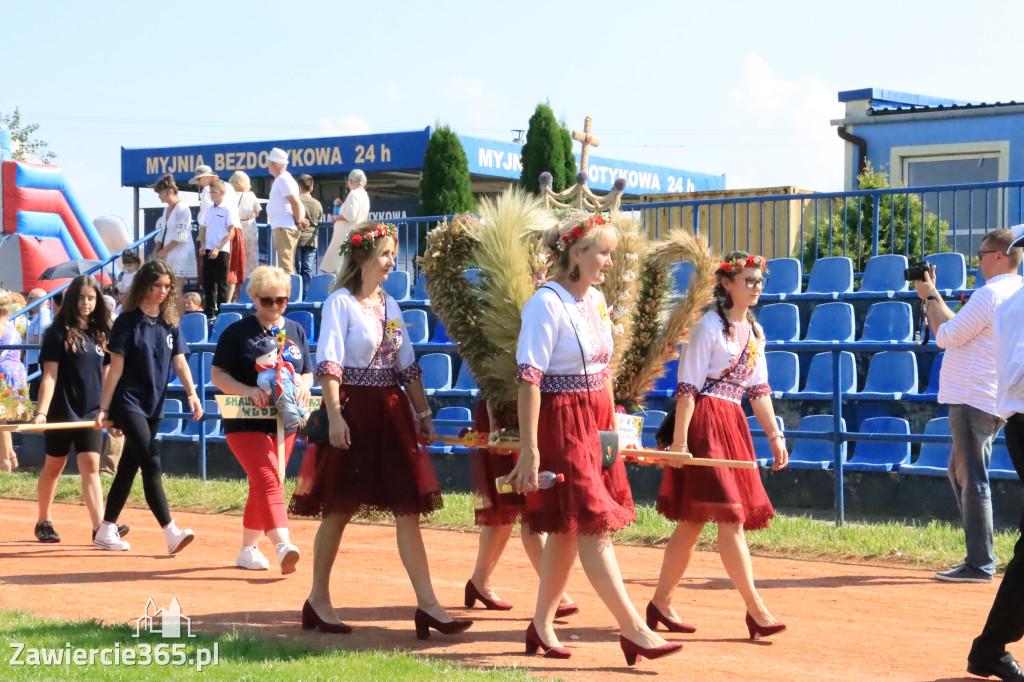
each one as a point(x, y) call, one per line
point(257, 453)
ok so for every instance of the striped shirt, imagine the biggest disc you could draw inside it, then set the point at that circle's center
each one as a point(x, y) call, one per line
point(968, 374)
point(1010, 355)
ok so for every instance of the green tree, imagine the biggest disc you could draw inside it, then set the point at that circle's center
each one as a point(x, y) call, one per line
point(902, 226)
point(24, 147)
point(444, 185)
point(547, 144)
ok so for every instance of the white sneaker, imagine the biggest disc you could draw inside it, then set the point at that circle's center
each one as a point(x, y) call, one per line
point(252, 559)
point(287, 557)
point(107, 538)
point(177, 540)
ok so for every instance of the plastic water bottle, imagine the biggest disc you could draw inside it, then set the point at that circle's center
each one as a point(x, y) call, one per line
point(545, 480)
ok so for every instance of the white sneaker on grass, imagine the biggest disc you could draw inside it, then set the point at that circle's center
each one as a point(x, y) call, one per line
point(177, 540)
point(250, 558)
point(287, 557)
point(107, 538)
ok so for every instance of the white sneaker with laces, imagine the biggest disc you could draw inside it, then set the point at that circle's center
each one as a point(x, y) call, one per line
point(177, 540)
point(250, 558)
point(107, 538)
point(287, 557)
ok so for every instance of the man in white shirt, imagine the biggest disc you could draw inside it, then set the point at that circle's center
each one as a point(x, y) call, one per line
point(1005, 623)
point(967, 383)
point(284, 210)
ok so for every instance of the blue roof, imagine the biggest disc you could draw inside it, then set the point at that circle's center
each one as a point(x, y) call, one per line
point(892, 99)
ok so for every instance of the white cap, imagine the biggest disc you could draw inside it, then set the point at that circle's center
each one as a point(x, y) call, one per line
point(1018, 237)
point(278, 156)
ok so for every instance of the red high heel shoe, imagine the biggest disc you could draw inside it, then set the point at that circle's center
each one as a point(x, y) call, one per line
point(655, 616)
point(634, 652)
point(566, 610)
point(533, 644)
point(474, 595)
point(758, 631)
point(310, 621)
point(424, 621)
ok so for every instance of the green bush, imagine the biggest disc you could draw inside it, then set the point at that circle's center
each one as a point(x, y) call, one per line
point(444, 185)
point(547, 146)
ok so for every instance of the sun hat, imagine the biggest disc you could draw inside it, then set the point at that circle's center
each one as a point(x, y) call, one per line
point(1018, 237)
point(278, 156)
point(202, 171)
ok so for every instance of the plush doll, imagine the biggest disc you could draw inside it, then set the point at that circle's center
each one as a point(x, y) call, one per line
point(277, 377)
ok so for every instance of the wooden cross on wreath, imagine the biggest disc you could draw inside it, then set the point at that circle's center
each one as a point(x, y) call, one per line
point(579, 195)
point(588, 141)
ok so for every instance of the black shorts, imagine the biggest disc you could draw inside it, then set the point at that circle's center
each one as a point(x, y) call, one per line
point(59, 442)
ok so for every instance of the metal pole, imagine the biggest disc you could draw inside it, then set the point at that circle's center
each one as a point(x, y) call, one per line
point(837, 437)
point(201, 392)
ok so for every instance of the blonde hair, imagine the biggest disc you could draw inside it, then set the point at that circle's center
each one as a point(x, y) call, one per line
point(553, 234)
point(1001, 239)
point(194, 298)
point(240, 181)
point(5, 302)
point(350, 276)
point(265, 277)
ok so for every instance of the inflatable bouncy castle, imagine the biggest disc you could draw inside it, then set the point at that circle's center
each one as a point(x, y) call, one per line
point(43, 223)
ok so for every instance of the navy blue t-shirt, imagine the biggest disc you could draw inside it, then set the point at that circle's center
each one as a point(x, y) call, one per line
point(147, 344)
point(237, 349)
point(79, 386)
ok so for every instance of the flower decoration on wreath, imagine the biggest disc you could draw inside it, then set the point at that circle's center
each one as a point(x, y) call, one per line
point(580, 230)
point(368, 240)
point(734, 266)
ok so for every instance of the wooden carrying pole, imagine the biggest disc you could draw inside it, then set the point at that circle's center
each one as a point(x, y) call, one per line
point(55, 426)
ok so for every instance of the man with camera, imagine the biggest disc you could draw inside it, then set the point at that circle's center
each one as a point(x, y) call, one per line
point(967, 384)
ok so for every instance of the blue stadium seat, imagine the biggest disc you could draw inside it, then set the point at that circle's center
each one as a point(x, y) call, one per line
point(194, 327)
point(888, 321)
point(243, 295)
point(207, 360)
point(440, 334)
point(780, 321)
point(762, 447)
point(815, 454)
point(190, 427)
point(784, 279)
point(950, 271)
point(883, 277)
point(319, 288)
point(437, 372)
point(419, 293)
point(170, 425)
point(296, 293)
point(652, 421)
point(880, 456)
point(397, 285)
point(473, 275)
point(681, 272)
point(934, 457)
point(465, 385)
point(415, 325)
point(305, 320)
point(450, 421)
point(831, 322)
point(783, 372)
point(819, 377)
point(891, 375)
point(931, 393)
point(665, 385)
point(830, 277)
point(193, 367)
point(222, 322)
point(1001, 465)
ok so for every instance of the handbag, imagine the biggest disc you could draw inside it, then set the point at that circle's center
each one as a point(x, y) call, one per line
point(609, 439)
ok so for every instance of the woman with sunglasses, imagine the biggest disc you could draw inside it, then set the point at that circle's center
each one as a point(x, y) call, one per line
point(724, 358)
point(254, 441)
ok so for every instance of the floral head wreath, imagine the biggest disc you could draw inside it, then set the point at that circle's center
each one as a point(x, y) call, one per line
point(579, 231)
point(734, 266)
point(368, 240)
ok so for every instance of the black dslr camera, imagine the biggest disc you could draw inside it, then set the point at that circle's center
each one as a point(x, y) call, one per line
point(915, 273)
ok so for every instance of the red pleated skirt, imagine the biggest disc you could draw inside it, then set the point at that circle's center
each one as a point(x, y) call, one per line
point(385, 471)
point(236, 258)
point(591, 500)
point(493, 508)
point(698, 494)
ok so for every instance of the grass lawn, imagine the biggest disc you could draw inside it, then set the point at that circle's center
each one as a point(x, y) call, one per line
point(927, 544)
point(240, 657)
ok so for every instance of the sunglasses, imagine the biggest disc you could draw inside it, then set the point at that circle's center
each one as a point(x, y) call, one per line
point(981, 254)
point(270, 301)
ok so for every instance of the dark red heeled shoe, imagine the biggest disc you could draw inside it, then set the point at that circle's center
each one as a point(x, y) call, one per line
point(566, 610)
point(758, 631)
point(312, 621)
point(424, 621)
point(655, 616)
point(474, 595)
point(634, 652)
point(533, 645)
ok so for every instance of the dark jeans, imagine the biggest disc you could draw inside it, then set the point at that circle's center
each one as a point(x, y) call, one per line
point(305, 264)
point(140, 452)
point(1005, 622)
point(973, 432)
point(215, 283)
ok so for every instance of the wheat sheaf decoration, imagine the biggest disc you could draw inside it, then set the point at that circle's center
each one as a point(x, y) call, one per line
point(654, 333)
point(622, 280)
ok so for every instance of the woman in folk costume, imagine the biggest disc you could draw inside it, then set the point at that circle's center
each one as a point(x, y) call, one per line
point(374, 461)
point(565, 399)
point(724, 358)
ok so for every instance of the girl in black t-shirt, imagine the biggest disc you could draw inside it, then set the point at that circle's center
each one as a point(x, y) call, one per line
point(73, 358)
point(144, 342)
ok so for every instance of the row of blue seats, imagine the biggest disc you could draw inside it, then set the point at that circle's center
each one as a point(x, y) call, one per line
point(884, 322)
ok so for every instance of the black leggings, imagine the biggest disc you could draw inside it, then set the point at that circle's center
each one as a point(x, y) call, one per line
point(140, 452)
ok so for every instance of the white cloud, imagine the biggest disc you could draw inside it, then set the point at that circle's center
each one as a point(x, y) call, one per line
point(346, 125)
point(477, 106)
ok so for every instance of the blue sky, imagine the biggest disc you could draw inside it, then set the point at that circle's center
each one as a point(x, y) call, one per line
point(742, 88)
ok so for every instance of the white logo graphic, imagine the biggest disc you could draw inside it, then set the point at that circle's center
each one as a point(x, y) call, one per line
point(170, 341)
point(170, 620)
point(99, 350)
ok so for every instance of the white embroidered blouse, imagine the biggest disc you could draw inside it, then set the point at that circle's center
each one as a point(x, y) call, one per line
point(364, 344)
point(549, 354)
point(710, 353)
